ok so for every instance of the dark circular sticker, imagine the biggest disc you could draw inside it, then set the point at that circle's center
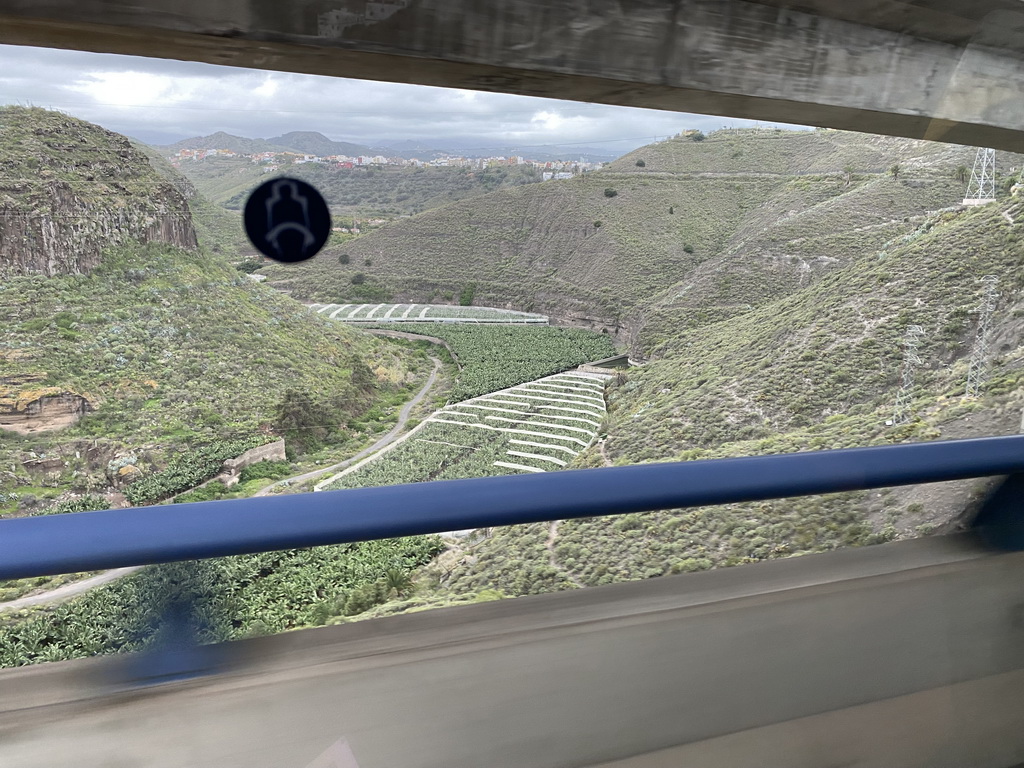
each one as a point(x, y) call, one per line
point(287, 220)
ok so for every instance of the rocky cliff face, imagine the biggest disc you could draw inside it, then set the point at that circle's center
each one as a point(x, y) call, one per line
point(68, 189)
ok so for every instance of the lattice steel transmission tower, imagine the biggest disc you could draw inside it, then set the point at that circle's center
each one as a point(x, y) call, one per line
point(982, 187)
point(911, 339)
point(978, 366)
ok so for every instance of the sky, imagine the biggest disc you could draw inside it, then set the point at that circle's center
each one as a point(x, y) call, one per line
point(161, 101)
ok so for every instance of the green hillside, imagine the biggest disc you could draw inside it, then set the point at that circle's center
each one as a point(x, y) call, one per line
point(827, 358)
point(222, 140)
point(682, 230)
point(159, 345)
point(777, 151)
point(765, 279)
point(69, 189)
point(369, 191)
point(814, 370)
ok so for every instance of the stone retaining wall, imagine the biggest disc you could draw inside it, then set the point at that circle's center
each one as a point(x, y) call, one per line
point(232, 468)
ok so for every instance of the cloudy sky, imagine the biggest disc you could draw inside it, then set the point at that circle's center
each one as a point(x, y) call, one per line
point(161, 101)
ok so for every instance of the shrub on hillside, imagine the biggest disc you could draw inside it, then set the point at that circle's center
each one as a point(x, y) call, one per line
point(640, 164)
point(249, 265)
point(609, 192)
point(86, 503)
point(270, 470)
point(209, 492)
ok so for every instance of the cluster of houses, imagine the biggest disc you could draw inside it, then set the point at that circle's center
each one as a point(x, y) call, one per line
point(272, 161)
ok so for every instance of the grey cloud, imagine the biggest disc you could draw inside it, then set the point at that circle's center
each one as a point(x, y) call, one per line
point(262, 104)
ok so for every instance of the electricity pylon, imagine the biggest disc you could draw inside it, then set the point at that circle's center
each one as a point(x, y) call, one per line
point(982, 187)
point(911, 339)
point(978, 366)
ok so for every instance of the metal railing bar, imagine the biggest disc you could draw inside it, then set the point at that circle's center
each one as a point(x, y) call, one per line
point(114, 538)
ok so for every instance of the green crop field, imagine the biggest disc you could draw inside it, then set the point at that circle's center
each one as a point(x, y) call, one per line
point(424, 313)
point(227, 598)
point(534, 427)
point(495, 357)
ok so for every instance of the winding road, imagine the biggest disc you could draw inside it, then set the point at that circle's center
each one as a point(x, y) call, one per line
point(67, 591)
point(390, 437)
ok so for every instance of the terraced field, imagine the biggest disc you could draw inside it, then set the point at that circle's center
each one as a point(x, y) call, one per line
point(534, 427)
point(423, 313)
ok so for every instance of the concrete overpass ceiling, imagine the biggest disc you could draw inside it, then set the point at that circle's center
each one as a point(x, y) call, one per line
point(958, 22)
point(936, 69)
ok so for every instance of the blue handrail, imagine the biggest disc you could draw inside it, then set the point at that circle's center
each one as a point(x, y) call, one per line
point(119, 537)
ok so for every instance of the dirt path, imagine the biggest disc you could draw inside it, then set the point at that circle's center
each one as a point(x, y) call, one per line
point(390, 437)
point(66, 591)
point(552, 535)
point(76, 588)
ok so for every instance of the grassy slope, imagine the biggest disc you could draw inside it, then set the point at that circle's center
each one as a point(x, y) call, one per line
point(830, 354)
point(814, 370)
point(390, 190)
point(697, 233)
point(539, 247)
point(171, 346)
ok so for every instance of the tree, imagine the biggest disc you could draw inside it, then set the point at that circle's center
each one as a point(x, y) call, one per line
point(697, 136)
point(304, 421)
point(671, 210)
point(358, 278)
point(640, 164)
point(960, 173)
point(344, 259)
point(398, 581)
point(609, 192)
point(894, 170)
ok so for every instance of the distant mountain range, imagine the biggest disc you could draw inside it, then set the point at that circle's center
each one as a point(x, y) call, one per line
point(315, 143)
point(221, 140)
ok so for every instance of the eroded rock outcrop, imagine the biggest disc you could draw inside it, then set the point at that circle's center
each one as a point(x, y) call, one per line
point(26, 409)
point(68, 189)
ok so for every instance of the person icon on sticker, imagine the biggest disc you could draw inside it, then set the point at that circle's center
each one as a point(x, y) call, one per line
point(287, 220)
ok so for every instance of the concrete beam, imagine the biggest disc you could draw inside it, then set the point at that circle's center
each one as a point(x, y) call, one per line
point(902, 655)
point(934, 69)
